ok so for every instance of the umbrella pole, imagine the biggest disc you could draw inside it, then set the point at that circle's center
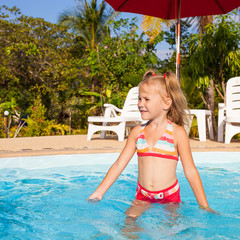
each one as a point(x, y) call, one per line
point(178, 40)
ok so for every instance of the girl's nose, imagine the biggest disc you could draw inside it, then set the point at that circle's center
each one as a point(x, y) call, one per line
point(140, 104)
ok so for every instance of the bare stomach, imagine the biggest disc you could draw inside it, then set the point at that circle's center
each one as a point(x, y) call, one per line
point(155, 174)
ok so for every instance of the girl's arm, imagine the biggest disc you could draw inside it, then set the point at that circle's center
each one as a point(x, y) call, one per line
point(190, 170)
point(117, 167)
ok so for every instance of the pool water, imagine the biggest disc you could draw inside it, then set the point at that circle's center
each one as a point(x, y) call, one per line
point(45, 198)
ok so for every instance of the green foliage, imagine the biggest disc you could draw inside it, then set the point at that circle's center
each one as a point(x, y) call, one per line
point(194, 129)
point(9, 106)
point(37, 125)
point(126, 54)
point(132, 78)
point(192, 92)
point(215, 54)
point(214, 57)
point(152, 26)
point(89, 22)
point(13, 117)
point(36, 60)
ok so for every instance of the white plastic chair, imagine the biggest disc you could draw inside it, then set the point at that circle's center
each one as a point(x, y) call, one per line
point(229, 114)
point(111, 121)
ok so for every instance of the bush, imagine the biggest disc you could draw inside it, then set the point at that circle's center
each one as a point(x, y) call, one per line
point(38, 125)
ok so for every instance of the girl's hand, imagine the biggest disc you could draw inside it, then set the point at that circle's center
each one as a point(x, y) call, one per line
point(94, 198)
point(208, 209)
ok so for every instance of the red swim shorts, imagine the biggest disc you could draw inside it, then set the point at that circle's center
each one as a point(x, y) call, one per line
point(171, 194)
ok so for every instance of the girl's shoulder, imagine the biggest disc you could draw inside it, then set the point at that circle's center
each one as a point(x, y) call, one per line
point(136, 130)
point(176, 127)
point(179, 132)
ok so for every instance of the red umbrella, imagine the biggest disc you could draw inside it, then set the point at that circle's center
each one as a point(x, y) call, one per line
point(175, 9)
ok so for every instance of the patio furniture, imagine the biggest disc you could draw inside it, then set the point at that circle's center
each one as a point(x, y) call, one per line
point(229, 114)
point(111, 121)
point(204, 121)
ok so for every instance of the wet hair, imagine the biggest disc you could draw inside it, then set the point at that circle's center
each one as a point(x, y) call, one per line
point(178, 112)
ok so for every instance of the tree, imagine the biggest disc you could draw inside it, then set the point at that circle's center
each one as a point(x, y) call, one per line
point(90, 24)
point(214, 57)
point(153, 26)
point(203, 22)
point(122, 60)
point(127, 53)
point(36, 60)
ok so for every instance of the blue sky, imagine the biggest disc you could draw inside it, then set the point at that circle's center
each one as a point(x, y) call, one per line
point(49, 10)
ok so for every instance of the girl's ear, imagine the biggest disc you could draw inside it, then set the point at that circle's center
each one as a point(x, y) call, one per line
point(167, 103)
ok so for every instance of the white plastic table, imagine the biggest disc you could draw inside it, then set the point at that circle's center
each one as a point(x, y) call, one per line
point(203, 115)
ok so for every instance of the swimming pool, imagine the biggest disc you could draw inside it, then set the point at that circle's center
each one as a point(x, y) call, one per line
point(45, 198)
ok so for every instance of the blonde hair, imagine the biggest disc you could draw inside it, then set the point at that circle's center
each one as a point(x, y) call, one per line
point(149, 73)
point(178, 111)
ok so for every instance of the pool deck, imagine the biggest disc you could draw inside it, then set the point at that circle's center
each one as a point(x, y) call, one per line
point(78, 144)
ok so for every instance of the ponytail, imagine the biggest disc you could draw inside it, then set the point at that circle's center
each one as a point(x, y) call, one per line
point(178, 112)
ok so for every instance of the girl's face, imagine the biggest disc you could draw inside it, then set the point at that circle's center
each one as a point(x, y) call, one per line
point(150, 103)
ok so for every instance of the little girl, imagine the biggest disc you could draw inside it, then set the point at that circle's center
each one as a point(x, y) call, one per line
point(159, 144)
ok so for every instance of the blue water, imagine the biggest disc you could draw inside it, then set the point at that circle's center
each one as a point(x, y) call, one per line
point(49, 201)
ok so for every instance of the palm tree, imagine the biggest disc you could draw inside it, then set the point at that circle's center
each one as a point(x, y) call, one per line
point(90, 23)
point(152, 26)
point(203, 22)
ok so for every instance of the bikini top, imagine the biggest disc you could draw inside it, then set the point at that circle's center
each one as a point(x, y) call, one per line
point(164, 147)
